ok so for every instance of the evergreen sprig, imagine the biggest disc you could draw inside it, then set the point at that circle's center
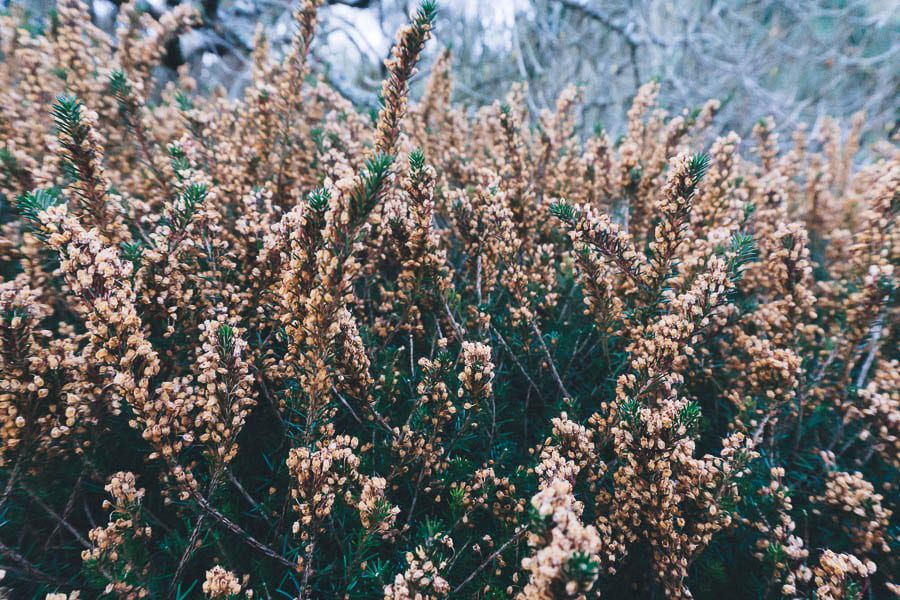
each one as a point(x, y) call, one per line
point(565, 212)
point(31, 204)
point(741, 252)
point(698, 166)
point(425, 16)
point(372, 178)
point(67, 118)
point(192, 196)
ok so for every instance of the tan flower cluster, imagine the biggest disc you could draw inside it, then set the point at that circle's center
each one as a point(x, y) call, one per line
point(35, 411)
point(375, 512)
point(224, 392)
point(221, 584)
point(880, 409)
point(62, 596)
point(486, 225)
point(857, 509)
point(835, 572)
point(770, 380)
point(440, 352)
point(97, 279)
point(569, 453)
point(319, 478)
point(422, 579)
point(566, 541)
point(486, 491)
point(412, 244)
point(83, 149)
point(779, 542)
point(477, 373)
point(115, 546)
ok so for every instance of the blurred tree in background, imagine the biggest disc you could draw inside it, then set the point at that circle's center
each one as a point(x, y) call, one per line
point(796, 60)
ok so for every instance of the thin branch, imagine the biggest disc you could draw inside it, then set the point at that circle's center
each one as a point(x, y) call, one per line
point(550, 361)
point(521, 531)
point(26, 567)
point(258, 507)
point(517, 363)
point(56, 516)
point(873, 350)
point(13, 478)
point(238, 531)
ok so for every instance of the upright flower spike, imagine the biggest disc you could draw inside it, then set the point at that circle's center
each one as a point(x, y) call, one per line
point(323, 337)
point(142, 40)
point(414, 246)
point(289, 91)
point(595, 233)
point(83, 158)
point(224, 394)
point(715, 204)
point(674, 210)
point(117, 553)
point(478, 373)
point(134, 114)
point(565, 558)
point(305, 17)
point(401, 67)
point(767, 142)
point(100, 290)
point(430, 111)
point(37, 414)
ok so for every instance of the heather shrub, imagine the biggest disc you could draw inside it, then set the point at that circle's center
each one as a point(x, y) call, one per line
point(277, 347)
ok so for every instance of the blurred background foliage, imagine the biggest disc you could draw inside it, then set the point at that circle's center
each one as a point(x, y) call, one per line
point(795, 60)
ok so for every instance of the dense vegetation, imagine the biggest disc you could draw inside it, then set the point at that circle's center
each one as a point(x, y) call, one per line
point(277, 347)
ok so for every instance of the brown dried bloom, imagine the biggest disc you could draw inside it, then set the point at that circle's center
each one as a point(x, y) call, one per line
point(114, 546)
point(835, 571)
point(375, 511)
point(422, 579)
point(856, 508)
point(221, 584)
point(566, 541)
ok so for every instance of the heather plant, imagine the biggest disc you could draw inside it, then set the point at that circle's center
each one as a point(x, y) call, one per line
point(279, 347)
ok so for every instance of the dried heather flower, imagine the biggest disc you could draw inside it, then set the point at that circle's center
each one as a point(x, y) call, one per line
point(835, 573)
point(401, 67)
point(565, 559)
point(116, 548)
point(422, 579)
point(221, 584)
point(375, 511)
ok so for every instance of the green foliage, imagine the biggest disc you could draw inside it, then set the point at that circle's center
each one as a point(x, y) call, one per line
point(226, 339)
point(372, 178)
point(698, 166)
point(689, 418)
point(31, 204)
point(582, 570)
point(178, 159)
point(67, 118)
point(426, 13)
point(416, 160)
point(564, 212)
point(319, 200)
point(741, 252)
point(118, 84)
point(191, 197)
